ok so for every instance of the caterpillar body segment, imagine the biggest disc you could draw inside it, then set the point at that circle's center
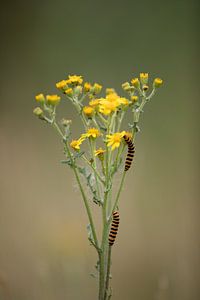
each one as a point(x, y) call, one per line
point(130, 154)
point(114, 228)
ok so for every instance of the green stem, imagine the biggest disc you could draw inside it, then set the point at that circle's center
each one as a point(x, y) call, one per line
point(118, 194)
point(95, 171)
point(108, 273)
point(81, 188)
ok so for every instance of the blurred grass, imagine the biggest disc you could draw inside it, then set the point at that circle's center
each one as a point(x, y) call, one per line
point(44, 252)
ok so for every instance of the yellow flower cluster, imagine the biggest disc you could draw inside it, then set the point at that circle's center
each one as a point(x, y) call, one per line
point(49, 99)
point(106, 105)
point(138, 82)
point(73, 86)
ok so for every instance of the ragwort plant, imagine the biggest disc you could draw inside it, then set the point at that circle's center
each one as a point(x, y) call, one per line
point(110, 145)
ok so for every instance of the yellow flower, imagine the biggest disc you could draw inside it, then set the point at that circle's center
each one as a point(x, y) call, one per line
point(96, 88)
point(123, 101)
point(99, 151)
point(40, 98)
point(126, 86)
point(157, 82)
point(135, 82)
point(106, 107)
point(74, 79)
point(110, 91)
point(69, 92)
point(53, 99)
point(112, 97)
point(114, 140)
point(94, 102)
point(75, 144)
point(93, 132)
point(88, 111)
point(61, 84)
point(144, 78)
point(134, 99)
point(87, 87)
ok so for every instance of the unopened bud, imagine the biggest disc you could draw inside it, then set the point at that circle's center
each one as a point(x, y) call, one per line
point(66, 122)
point(145, 87)
point(39, 113)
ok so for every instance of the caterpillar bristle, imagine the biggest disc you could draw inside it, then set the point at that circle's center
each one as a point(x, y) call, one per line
point(130, 154)
point(114, 228)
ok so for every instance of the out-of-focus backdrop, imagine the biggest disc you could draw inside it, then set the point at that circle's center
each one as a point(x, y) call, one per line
point(44, 251)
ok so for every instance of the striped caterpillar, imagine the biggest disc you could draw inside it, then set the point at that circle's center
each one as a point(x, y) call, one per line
point(114, 228)
point(130, 154)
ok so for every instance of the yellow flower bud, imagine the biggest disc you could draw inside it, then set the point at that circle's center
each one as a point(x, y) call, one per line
point(53, 99)
point(69, 92)
point(144, 78)
point(135, 82)
point(38, 112)
point(157, 82)
point(126, 86)
point(100, 153)
point(134, 99)
point(40, 98)
point(88, 111)
point(87, 87)
point(110, 91)
point(96, 88)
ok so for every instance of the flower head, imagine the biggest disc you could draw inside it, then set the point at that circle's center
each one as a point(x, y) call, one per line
point(144, 78)
point(114, 139)
point(74, 79)
point(61, 84)
point(123, 101)
point(96, 88)
point(94, 103)
point(53, 99)
point(93, 132)
point(69, 92)
point(106, 107)
point(134, 99)
point(157, 82)
point(99, 151)
point(40, 98)
point(135, 82)
point(75, 144)
point(88, 111)
point(109, 91)
point(87, 87)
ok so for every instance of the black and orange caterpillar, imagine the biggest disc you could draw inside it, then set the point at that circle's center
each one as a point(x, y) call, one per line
point(114, 228)
point(131, 152)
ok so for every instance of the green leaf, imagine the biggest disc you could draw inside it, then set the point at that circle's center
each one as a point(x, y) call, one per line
point(90, 235)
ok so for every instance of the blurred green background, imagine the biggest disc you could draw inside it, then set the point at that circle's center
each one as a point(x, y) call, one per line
point(44, 251)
